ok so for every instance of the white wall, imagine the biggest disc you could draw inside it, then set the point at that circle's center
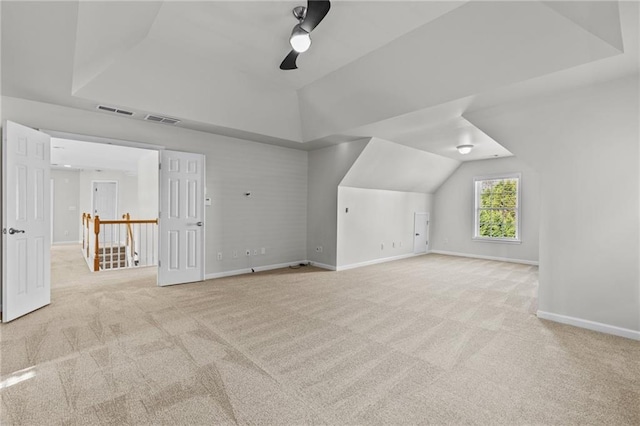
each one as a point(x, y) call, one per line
point(453, 218)
point(127, 190)
point(274, 217)
point(376, 218)
point(67, 216)
point(584, 144)
point(327, 167)
point(148, 186)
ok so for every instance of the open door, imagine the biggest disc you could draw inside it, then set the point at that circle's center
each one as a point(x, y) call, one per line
point(181, 226)
point(26, 221)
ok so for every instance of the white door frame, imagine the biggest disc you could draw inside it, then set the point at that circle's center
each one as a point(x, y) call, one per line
point(131, 144)
point(418, 250)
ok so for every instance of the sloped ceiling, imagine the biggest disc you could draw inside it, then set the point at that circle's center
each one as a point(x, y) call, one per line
point(373, 66)
point(390, 166)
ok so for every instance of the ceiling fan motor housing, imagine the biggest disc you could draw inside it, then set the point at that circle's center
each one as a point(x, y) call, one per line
point(300, 12)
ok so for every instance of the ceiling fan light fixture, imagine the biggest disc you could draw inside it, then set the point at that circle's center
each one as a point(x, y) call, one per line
point(300, 39)
point(464, 149)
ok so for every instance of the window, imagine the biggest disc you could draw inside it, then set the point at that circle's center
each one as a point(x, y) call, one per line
point(497, 201)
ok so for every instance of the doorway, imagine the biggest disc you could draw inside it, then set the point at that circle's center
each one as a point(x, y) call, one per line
point(421, 233)
point(189, 216)
point(104, 199)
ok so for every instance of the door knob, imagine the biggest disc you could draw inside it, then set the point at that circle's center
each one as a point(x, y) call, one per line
point(199, 224)
point(15, 231)
point(417, 235)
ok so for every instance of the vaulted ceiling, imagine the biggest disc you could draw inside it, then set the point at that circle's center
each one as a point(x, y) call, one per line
point(402, 71)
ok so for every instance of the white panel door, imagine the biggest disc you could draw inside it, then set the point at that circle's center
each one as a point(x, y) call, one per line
point(105, 200)
point(421, 237)
point(105, 205)
point(26, 217)
point(181, 227)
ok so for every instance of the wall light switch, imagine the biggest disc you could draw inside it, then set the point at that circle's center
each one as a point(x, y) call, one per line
point(207, 201)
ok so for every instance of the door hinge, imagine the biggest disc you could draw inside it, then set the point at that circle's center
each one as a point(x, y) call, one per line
point(159, 263)
point(159, 166)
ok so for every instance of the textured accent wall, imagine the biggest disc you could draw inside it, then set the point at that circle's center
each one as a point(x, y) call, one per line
point(273, 217)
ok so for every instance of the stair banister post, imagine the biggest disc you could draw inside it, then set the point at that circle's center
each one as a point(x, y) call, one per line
point(88, 249)
point(96, 230)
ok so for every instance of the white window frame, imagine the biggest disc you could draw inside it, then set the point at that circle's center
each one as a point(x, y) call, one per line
point(476, 201)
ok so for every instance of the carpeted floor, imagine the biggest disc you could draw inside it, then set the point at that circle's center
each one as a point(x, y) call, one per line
point(427, 340)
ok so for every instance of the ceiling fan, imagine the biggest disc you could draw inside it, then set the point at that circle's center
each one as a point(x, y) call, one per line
point(308, 18)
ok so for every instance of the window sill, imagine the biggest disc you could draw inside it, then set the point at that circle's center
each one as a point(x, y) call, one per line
point(496, 240)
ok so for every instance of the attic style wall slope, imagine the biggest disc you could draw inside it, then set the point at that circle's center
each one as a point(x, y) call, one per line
point(584, 145)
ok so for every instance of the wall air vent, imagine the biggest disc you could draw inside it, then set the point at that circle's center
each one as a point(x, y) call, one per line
point(158, 119)
point(116, 110)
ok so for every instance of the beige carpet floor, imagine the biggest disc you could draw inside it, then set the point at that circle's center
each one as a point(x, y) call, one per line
point(426, 340)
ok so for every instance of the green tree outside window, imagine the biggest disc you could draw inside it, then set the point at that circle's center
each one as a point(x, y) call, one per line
point(497, 208)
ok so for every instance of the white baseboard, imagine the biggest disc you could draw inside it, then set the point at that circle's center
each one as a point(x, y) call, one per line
point(323, 266)
point(255, 268)
point(478, 256)
point(590, 325)
point(376, 261)
point(64, 243)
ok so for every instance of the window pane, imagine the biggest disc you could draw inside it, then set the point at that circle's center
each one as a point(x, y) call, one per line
point(496, 204)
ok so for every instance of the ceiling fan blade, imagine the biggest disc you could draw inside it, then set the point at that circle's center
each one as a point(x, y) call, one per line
point(316, 11)
point(289, 62)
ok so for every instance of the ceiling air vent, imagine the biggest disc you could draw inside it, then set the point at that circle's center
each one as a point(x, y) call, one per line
point(158, 119)
point(116, 110)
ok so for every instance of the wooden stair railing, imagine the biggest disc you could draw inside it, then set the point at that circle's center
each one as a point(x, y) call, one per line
point(130, 246)
point(86, 218)
point(109, 254)
point(96, 229)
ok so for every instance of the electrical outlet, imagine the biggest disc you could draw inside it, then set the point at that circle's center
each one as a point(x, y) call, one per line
point(255, 252)
point(247, 252)
point(393, 244)
point(381, 246)
point(235, 254)
point(219, 255)
point(263, 250)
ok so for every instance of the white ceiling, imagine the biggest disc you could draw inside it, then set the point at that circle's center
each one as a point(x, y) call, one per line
point(404, 71)
point(80, 155)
